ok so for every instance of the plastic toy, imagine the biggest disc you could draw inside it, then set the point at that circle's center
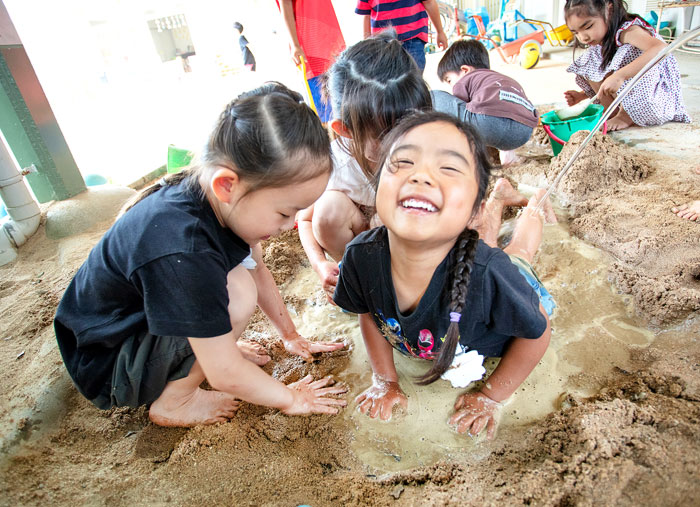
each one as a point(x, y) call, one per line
point(525, 50)
point(560, 131)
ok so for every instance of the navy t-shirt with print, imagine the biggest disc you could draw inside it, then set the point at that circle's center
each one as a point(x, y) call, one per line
point(500, 304)
point(160, 268)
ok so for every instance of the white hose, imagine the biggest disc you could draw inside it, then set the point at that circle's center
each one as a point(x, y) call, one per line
point(23, 210)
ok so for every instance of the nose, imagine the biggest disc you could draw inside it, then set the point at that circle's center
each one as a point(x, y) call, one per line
point(288, 224)
point(421, 176)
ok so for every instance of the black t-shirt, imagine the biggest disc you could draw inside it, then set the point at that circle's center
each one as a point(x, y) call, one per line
point(500, 304)
point(161, 267)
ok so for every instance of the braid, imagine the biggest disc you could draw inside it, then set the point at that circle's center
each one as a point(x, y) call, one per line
point(462, 262)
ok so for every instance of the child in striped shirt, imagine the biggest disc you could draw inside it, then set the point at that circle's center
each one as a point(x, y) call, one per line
point(410, 20)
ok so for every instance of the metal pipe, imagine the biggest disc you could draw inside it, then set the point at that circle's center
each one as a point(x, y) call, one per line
point(661, 55)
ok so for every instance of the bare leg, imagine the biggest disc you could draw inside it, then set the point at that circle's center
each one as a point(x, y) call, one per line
point(689, 211)
point(528, 230)
point(242, 296)
point(336, 221)
point(489, 220)
point(184, 403)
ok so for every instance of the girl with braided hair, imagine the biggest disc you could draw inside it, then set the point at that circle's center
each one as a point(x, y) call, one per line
point(370, 87)
point(426, 285)
point(162, 299)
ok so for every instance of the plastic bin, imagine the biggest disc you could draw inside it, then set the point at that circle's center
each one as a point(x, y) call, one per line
point(178, 158)
point(561, 131)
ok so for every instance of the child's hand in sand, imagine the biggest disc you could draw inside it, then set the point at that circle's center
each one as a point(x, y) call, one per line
point(574, 97)
point(328, 274)
point(380, 398)
point(313, 397)
point(297, 344)
point(473, 413)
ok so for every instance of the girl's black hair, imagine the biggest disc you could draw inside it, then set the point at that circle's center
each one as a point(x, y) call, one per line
point(614, 12)
point(371, 86)
point(268, 136)
point(462, 257)
point(463, 52)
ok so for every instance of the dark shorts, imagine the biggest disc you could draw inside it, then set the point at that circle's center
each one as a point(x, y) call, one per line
point(144, 365)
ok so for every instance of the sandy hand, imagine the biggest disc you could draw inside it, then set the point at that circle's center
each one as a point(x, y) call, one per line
point(473, 413)
point(313, 396)
point(328, 274)
point(253, 352)
point(297, 344)
point(380, 398)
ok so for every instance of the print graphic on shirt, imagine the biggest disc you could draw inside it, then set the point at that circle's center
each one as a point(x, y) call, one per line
point(426, 342)
point(391, 330)
point(517, 99)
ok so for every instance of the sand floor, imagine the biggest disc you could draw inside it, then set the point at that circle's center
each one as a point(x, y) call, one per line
point(610, 416)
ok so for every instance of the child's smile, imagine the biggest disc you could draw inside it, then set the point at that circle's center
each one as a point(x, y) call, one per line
point(428, 186)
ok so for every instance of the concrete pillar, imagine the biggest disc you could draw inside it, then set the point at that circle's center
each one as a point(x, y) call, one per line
point(29, 125)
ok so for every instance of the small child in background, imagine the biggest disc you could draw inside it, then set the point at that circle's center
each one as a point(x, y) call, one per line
point(494, 104)
point(620, 44)
point(371, 85)
point(424, 284)
point(160, 302)
point(246, 53)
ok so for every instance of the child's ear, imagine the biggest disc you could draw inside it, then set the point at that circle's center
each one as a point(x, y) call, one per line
point(466, 68)
point(339, 128)
point(225, 184)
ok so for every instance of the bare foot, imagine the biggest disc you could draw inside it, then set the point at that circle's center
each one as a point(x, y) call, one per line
point(527, 235)
point(509, 158)
point(504, 192)
point(175, 408)
point(689, 211)
point(620, 121)
point(697, 170)
point(253, 352)
point(489, 220)
point(549, 216)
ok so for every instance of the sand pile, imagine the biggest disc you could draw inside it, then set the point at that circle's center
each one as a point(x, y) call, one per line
point(601, 165)
point(619, 199)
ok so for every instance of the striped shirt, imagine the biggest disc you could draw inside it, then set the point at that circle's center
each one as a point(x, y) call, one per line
point(407, 17)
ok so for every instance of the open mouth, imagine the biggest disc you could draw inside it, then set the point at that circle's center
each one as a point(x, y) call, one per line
point(418, 204)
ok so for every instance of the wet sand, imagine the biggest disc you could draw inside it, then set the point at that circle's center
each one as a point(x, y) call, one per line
point(611, 415)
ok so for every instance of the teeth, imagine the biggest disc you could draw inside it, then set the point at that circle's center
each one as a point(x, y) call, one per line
point(415, 203)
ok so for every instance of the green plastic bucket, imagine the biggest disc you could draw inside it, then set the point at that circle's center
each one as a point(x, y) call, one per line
point(560, 131)
point(178, 158)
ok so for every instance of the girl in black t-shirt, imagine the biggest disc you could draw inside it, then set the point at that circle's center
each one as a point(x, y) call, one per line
point(433, 177)
point(162, 299)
